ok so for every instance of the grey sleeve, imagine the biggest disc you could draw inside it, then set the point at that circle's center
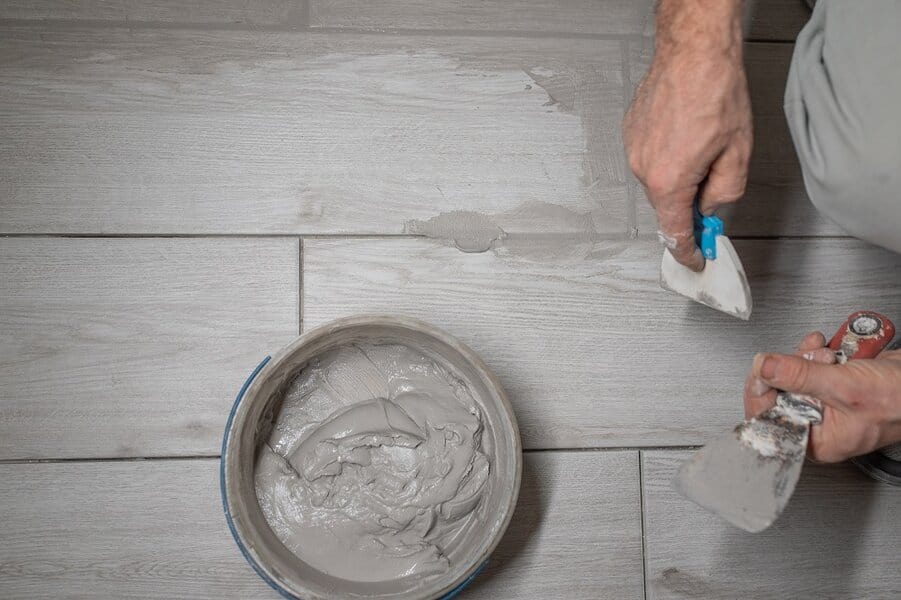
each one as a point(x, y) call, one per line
point(843, 105)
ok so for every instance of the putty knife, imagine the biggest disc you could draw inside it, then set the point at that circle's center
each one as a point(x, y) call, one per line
point(722, 284)
point(748, 475)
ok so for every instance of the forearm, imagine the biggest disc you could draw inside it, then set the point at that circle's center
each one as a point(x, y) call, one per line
point(708, 25)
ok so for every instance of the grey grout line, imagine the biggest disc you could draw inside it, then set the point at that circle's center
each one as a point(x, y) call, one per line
point(76, 24)
point(401, 31)
point(300, 286)
point(304, 27)
point(765, 41)
point(16, 461)
point(340, 236)
point(32, 461)
point(632, 209)
point(305, 14)
point(612, 449)
point(644, 545)
point(325, 236)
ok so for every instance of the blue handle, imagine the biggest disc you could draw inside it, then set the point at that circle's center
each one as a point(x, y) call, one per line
point(706, 230)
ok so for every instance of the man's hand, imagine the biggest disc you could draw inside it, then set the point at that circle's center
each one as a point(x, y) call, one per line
point(688, 132)
point(861, 399)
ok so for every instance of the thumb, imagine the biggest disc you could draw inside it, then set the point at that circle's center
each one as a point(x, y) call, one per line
point(825, 382)
point(676, 222)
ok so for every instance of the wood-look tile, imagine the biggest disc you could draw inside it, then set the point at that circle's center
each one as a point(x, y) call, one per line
point(155, 529)
point(590, 349)
point(199, 131)
point(836, 539)
point(135, 347)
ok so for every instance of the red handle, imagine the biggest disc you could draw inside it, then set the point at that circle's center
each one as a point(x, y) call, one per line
point(864, 335)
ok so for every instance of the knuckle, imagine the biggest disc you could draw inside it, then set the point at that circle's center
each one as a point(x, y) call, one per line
point(660, 182)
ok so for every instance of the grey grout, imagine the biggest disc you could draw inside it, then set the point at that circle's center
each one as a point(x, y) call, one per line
point(765, 41)
point(612, 449)
point(302, 26)
point(325, 236)
point(15, 461)
point(305, 14)
point(641, 512)
point(76, 24)
point(32, 461)
point(300, 286)
point(632, 209)
point(340, 236)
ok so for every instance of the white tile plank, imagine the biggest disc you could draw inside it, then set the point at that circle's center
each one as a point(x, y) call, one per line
point(592, 352)
point(285, 13)
point(135, 347)
point(838, 538)
point(576, 532)
point(775, 201)
point(157, 131)
point(155, 529)
point(616, 17)
point(131, 529)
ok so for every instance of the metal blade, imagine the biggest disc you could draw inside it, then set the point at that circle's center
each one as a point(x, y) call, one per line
point(748, 475)
point(722, 284)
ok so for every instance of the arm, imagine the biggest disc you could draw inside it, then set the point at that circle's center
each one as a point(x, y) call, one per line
point(688, 131)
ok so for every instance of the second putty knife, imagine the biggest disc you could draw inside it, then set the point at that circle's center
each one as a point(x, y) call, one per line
point(748, 475)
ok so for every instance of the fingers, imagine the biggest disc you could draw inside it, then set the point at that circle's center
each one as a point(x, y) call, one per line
point(726, 180)
point(813, 347)
point(757, 396)
point(676, 221)
point(823, 356)
point(826, 382)
point(812, 341)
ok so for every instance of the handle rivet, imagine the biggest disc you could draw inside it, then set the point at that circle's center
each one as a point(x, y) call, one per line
point(865, 325)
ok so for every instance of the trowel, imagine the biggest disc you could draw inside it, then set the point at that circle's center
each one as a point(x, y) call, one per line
point(748, 475)
point(722, 284)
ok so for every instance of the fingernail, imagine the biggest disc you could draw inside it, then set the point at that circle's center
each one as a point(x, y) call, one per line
point(698, 262)
point(759, 387)
point(765, 365)
point(807, 356)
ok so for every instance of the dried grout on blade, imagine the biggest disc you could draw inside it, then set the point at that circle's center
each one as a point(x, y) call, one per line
point(722, 284)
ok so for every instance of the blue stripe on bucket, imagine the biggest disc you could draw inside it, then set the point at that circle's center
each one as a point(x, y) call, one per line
point(228, 516)
point(457, 590)
point(231, 525)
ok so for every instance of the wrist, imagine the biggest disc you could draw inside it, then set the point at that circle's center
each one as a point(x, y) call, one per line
point(703, 26)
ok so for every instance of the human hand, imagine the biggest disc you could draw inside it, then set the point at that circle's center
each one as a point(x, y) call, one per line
point(688, 132)
point(861, 398)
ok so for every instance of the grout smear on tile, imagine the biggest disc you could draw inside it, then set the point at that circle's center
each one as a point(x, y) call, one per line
point(536, 231)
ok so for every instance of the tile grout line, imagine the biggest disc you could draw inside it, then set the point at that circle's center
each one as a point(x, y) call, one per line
point(644, 546)
point(106, 24)
point(333, 236)
point(32, 461)
point(612, 448)
point(632, 210)
point(300, 285)
point(213, 235)
point(305, 15)
point(182, 457)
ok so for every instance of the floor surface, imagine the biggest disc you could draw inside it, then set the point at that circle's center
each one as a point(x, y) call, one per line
point(185, 187)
